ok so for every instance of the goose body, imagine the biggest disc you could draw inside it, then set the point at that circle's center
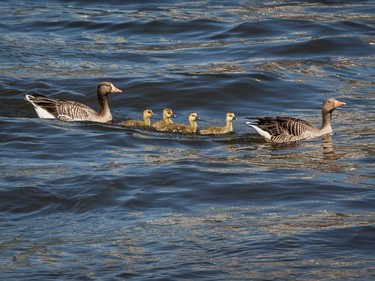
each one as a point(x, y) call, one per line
point(182, 128)
point(146, 122)
point(288, 129)
point(66, 110)
point(217, 130)
point(167, 119)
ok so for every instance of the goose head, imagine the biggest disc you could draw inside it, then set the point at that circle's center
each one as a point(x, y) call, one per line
point(331, 104)
point(105, 88)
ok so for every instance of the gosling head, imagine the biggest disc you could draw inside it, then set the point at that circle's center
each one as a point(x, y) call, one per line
point(231, 116)
point(148, 113)
point(168, 113)
point(193, 117)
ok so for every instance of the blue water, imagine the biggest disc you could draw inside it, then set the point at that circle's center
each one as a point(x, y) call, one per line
point(87, 201)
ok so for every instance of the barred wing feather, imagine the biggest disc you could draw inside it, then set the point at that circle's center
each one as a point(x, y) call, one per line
point(61, 109)
point(73, 111)
point(284, 129)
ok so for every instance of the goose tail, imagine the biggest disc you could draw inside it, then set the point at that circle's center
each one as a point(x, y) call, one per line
point(261, 132)
point(42, 112)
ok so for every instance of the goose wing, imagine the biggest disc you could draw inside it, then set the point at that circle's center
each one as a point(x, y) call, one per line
point(176, 128)
point(213, 130)
point(133, 123)
point(62, 109)
point(159, 124)
point(74, 111)
point(287, 126)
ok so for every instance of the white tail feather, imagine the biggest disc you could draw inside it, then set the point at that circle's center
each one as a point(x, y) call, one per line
point(261, 132)
point(42, 113)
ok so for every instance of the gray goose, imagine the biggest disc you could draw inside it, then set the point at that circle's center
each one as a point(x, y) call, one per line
point(288, 129)
point(146, 122)
point(217, 130)
point(182, 128)
point(167, 119)
point(66, 110)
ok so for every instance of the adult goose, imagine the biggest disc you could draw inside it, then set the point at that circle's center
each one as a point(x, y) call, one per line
point(217, 130)
point(66, 110)
point(288, 129)
point(182, 128)
point(167, 119)
point(146, 122)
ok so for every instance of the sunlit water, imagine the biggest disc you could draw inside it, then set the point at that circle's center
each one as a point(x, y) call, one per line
point(84, 201)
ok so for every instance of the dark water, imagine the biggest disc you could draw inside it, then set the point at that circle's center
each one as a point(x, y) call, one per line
point(84, 201)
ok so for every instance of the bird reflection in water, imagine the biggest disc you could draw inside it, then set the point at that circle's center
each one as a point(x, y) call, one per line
point(328, 149)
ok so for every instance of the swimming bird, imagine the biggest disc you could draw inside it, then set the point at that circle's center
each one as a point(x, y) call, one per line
point(66, 110)
point(182, 128)
point(167, 119)
point(147, 114)
point(288, 129)
point(217, 130)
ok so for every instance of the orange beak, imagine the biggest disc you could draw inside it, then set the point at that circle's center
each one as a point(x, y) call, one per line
point(115, 90)
point(337, 103)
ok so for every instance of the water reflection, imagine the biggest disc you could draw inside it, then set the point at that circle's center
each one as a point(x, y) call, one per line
point(328, 149)
point(316, 154)
point(247, 153)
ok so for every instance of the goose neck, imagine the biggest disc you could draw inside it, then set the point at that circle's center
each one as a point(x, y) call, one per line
point(104, 107)
point(193, 125)
point(229, 125)
point(326, 121)
point(147, 120)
